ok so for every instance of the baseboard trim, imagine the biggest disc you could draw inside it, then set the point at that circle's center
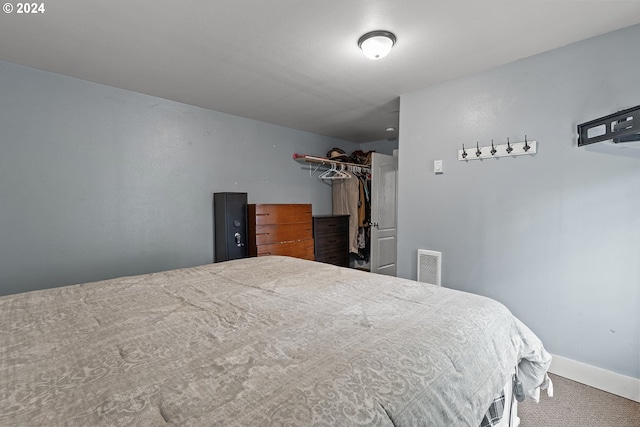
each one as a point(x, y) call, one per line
point(611, 382)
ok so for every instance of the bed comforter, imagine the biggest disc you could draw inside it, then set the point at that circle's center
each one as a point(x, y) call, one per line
point(258, 342)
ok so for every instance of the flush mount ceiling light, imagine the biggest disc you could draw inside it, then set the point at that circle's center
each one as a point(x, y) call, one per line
point(377, 44)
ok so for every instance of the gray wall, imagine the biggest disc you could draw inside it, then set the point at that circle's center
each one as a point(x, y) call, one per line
point(384, 146)
point(555, 236)
point(97, 182)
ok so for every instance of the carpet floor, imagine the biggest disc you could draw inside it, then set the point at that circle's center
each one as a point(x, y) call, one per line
point(578, 405)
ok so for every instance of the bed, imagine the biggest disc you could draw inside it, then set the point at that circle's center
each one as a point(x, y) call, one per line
point(268, 341)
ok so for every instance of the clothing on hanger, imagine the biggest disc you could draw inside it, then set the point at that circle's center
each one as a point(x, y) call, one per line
point(345, 195)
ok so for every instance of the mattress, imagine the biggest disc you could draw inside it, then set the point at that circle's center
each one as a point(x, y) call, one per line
point(265, 341)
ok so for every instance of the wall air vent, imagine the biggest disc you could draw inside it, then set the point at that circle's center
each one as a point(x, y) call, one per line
point(429, 266)
point(620, 127)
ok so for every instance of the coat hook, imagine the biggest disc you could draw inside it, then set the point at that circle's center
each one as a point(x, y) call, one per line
point(526, 144)
point(493, 149)
point(464, 152)
point(478, 152)
point(509, 147)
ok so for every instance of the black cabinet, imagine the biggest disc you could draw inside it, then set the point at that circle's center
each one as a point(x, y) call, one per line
point(331, 239)
point(230, 223)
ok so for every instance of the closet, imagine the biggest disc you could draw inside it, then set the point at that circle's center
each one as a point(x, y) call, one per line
point(379, 217)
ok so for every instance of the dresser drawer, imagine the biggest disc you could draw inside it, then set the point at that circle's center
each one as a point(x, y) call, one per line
point(332, 241)
point(328, 244)
point(280, 214)
point(273, 233)
point(331, 225)
point(338, 257)
point(300, 249)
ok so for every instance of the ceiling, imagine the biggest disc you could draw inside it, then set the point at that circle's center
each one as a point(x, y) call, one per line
point(296, 63)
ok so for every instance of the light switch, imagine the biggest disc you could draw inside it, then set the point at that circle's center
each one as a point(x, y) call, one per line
point(437, 166)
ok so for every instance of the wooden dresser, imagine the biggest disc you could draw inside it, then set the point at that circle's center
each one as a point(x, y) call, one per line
point(331, 237)
point(280, 229)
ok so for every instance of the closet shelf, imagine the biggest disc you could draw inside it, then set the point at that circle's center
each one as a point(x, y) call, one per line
point(303, 158)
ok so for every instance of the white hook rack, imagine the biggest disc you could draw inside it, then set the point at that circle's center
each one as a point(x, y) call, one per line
point(500, 150)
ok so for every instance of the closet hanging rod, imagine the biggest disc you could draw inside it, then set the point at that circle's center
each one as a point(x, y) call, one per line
point(327, 162)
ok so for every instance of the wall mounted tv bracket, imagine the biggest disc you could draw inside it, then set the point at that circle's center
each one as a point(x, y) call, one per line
point(623, 126)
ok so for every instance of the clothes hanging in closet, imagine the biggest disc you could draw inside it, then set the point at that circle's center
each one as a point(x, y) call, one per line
point(351, 197)
point(345, 195)
point(362, 213)
point(365, 231)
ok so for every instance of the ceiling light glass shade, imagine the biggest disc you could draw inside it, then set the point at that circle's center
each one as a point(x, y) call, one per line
point(377, 44)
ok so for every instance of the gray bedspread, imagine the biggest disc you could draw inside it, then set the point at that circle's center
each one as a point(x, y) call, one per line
point(257, 342)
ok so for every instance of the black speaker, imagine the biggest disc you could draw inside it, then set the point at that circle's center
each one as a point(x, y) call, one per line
point(230, 221)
